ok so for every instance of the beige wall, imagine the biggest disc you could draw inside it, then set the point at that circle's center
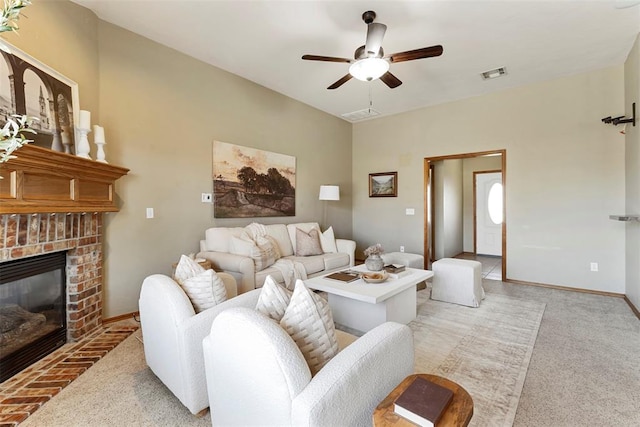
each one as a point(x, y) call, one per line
point(448, 207)
point(564, 175)
point(161, 111)
point(632, 168)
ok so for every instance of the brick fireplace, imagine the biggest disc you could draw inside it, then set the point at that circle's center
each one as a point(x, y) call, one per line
point(80, 235)
point(55, 202)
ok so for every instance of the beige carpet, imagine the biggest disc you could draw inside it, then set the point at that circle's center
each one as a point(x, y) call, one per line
point(486, 350)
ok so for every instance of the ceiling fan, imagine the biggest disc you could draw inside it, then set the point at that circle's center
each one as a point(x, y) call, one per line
point(369, 62)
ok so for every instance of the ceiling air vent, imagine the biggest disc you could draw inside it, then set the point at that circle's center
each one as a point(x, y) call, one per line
point(492, 74)
point(361, 114)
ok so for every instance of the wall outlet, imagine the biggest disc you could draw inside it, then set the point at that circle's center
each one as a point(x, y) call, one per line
point(410, 211)
point(401, 248)
point(149, 213)
point(594, 266)
point(206, 198)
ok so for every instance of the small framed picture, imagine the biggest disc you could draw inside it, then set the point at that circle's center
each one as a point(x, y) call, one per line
point(383, 184)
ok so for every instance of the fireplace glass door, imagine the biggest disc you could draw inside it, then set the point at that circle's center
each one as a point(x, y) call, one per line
point(32, 310)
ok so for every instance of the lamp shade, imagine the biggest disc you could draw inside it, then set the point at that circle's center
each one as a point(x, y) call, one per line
point(329, 192)
point(369, 69)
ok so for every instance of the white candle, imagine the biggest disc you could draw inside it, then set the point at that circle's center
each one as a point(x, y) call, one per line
point(98, 133)
point(85, 119)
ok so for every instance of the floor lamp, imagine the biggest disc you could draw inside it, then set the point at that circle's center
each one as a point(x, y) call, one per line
point(328, 192)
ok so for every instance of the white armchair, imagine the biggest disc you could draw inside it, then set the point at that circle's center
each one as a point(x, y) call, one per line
point(172, 333)
point(256, 374)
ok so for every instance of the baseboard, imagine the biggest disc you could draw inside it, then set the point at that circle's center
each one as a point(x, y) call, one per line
point(566, 288)
point(135, 315)
point(633, 307)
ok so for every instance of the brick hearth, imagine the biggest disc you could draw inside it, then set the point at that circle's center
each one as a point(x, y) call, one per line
point(80, 234)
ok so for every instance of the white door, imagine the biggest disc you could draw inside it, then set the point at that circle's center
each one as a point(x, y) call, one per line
point(488, 191)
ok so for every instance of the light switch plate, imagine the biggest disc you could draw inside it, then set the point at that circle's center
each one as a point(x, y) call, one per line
point(410, 211)
point(149, 213)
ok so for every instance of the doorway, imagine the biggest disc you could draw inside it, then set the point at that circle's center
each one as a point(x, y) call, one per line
point(446, 182)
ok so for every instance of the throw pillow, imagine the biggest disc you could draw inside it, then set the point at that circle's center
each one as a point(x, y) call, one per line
point(205, 290)
point(203, 287)
point(328, 241)
point(186, 268)
point(273, 299)
point(264, 255)
point(308, 243)
point(309, 322)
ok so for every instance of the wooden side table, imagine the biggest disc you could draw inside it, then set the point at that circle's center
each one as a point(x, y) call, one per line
point(458, 413)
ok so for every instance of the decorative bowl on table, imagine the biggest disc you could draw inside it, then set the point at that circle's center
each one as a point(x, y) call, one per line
point(375, 276)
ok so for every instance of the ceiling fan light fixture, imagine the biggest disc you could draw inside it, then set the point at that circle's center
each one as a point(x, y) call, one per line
point(369, 69)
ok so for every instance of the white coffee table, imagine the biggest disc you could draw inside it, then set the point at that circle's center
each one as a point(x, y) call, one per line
point(363, 306)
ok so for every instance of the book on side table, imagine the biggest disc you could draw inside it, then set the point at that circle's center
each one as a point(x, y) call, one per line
point(423, 402)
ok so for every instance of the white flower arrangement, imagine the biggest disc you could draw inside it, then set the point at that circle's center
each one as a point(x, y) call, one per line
point(376, 249)
point(11, 13)
point(11, 135)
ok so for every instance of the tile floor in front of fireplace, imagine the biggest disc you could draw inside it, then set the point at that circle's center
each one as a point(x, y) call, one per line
point(22, 394)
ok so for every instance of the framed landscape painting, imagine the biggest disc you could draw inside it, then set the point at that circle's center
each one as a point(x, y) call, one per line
point(383, 184)
point(28, 87)
point(248, 182)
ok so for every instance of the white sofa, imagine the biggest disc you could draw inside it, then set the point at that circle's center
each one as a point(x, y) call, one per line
point(172, 334)
point(256, 375)
point(216, 248)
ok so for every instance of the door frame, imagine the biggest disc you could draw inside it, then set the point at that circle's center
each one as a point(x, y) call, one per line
point(428, 202)
point(475, 201)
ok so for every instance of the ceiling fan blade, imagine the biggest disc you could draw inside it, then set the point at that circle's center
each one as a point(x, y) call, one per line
point(410, 55)
point(340, 82)
point(390, 80)
point(325, 58)
point(375, 34)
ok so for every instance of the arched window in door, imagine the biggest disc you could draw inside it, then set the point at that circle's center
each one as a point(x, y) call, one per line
point(494, 203)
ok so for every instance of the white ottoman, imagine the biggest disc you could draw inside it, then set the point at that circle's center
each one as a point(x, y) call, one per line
point(458, 281)
point(404, 258)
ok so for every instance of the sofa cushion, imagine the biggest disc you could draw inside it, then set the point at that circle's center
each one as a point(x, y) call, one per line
point(304, 226)
point(338, 260)
point(279, 233)
point(273, 299)
point(328, 241)
point(312, 264)
point(203, 287)
point(308, 243)
point(261, 276)
point(218, 238)
point(241, 245)
point(309, 322)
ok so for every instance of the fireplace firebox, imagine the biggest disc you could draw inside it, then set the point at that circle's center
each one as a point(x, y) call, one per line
point(33, 319)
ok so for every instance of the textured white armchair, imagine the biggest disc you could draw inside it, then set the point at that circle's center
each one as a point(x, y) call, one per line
point(172, 333)
point(257, 376)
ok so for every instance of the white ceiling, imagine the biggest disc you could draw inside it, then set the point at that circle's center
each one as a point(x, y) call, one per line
point(263, 41)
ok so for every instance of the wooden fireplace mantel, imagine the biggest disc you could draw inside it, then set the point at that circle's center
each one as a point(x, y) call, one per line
point(40, 180)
